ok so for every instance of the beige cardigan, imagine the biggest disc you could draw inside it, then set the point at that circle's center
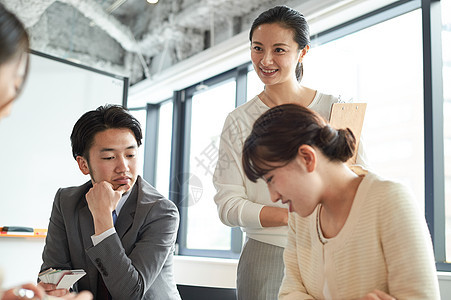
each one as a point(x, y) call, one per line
point(384, 244)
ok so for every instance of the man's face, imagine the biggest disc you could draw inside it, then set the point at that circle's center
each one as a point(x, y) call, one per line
point(112, 158)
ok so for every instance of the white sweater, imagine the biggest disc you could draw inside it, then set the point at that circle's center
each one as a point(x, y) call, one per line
point(238, 199)
point(384, 244)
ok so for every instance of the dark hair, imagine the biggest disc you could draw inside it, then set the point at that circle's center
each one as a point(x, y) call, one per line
point(288, 18)
point(101, 119)
point(14, 39)
point(277, 135)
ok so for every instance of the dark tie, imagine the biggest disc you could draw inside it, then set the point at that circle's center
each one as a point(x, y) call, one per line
point(114, 217)
point(102, 291)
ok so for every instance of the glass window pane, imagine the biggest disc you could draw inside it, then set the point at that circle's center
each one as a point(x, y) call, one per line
point(378, 67)
point(254, 85)
point(163, 164)
point(141, 116)
point(209, 110)
point(446, 50)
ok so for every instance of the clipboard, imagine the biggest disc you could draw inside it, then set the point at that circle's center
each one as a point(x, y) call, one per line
point(349, 115)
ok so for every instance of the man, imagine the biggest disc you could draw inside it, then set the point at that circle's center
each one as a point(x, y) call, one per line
point(127, 259)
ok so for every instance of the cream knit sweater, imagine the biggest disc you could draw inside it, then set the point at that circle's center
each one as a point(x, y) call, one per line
point(384, 244)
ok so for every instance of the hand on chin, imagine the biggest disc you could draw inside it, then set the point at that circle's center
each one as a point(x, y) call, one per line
point(121, 187)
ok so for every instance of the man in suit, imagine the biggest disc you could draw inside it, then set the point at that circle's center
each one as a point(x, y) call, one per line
point(116, 227)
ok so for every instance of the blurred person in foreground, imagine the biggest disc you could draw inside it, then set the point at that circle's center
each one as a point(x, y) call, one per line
point(14, 58)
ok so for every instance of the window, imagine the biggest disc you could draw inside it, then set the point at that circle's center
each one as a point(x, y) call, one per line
point(199, 115)
point(376, 66)
point(209, 111)
point(140, 115)
point(385, 58)
point(446, 45)
point(163, 160)
point(254, 84)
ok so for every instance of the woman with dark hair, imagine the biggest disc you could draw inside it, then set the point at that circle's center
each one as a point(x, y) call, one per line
point(14, 44)
point(353, 235)
point(279, 42)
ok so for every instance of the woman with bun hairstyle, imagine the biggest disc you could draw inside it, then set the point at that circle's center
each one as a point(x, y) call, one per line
point(353, 235)
point(279, 40)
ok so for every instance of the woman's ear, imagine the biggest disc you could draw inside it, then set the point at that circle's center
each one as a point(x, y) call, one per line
point(308, 156)
point(303, 53)
point(83, 165)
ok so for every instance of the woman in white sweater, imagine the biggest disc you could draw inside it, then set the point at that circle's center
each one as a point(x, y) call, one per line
point(354, 235)
point(279, 41)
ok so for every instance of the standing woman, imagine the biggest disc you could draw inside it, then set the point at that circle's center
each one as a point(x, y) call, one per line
point(279, 41)
point(354, 235)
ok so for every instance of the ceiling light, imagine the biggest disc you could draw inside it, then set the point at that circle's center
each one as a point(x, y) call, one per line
point(152, 1)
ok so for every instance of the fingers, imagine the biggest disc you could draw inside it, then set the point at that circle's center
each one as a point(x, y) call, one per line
point(47, 286)
point(102, 198)
point(25, 291)
point(383, 296)
point(378, 295)
point(58, 292)
point(38, 291)
point(50, 289)
point(123, 188)
point(85, 295)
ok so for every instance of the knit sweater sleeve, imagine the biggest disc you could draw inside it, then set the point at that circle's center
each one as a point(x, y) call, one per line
point(234, 206)
point(292, 286)
point(407, 245)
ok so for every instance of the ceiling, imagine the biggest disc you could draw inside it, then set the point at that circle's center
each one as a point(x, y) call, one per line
point(132, 37)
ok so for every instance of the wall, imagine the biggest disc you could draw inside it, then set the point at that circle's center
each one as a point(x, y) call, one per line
point(36, 154)
point(36, 157)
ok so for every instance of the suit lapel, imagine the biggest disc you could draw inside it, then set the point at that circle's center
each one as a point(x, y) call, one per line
point(127, 214)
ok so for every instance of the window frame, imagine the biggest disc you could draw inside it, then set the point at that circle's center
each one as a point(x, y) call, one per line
point(433, 123)
point(180, 159)
point(433, 132)
point(434, 176)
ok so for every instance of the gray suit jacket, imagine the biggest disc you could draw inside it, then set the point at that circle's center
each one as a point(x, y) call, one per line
point(135, 262)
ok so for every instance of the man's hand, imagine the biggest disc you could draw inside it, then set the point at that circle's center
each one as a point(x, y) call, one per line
point(377, 295)
point(102, 200)
point(44, 291)
point(50, 289)
point(85, 295)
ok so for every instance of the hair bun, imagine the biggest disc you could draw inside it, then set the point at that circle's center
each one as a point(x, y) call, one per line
point(337, 144)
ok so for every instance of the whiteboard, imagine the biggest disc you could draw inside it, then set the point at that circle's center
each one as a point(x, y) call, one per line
point(35, 150)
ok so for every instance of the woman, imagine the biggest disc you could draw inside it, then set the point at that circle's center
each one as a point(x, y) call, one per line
point(279, 42)
point(354, 234)
point(14, 44)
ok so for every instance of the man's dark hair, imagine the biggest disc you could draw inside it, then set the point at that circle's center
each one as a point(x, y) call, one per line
point(101, 119)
